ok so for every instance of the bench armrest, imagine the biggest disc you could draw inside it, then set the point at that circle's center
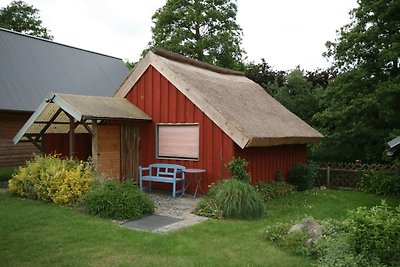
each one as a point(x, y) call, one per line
point(141, 169)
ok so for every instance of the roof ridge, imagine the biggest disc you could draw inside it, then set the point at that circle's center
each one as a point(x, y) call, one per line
point(53, 42)
point(194, 62)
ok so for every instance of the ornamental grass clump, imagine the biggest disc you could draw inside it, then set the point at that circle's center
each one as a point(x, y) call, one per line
point(239, 200)
point(231, 199)
point(234, 198)
point(52, 179)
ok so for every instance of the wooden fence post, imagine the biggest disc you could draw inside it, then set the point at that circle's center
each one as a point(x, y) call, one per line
point(328, 177)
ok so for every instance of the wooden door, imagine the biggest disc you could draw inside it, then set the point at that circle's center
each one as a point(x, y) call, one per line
point(130, 139)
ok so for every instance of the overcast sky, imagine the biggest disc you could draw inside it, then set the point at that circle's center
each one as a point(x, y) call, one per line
point(286, 33)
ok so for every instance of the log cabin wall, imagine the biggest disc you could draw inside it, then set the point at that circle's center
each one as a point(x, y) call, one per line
point(10, 154)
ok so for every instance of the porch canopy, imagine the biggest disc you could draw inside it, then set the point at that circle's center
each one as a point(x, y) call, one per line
point(66, 113)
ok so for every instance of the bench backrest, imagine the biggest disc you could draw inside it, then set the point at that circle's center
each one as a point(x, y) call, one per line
point(166, 170)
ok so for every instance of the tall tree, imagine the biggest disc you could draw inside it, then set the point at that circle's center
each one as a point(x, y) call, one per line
point(265, 75)
point(21, 17)
point(371, 40)
point(298, 95)
point(362, 104)
point(202, 29)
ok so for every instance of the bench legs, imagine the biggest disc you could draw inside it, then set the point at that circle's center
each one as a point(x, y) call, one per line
point(174, 191)
point(141, 185)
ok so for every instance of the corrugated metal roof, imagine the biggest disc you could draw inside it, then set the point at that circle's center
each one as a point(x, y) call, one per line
point(31, 68)
point(395, 142)
point(81, 108)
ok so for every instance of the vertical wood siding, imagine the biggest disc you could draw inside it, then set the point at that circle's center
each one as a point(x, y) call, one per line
point(59, 144)
point(10, 154)
point(265, 162)
point(130, 138)
point(160, 99)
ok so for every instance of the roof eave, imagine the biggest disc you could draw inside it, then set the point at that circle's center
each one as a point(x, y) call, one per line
point(67, 107)
point(134, 75)
point(29, 122)
point(90, 117)
point(277, 141)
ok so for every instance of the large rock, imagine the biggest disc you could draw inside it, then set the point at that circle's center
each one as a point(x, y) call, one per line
point(310, 227)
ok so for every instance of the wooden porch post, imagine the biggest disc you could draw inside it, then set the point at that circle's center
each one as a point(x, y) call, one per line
point(94, 143)
point(71, 136)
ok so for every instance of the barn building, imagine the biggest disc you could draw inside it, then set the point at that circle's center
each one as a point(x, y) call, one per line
point(184, 112)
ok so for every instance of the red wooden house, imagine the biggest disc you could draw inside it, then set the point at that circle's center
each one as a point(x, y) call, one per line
point(201, 117)
point(208, 115)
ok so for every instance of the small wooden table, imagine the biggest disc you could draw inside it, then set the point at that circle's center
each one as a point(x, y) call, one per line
point(197, 175)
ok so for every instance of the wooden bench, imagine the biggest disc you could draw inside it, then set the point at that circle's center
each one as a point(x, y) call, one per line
point(163, 173)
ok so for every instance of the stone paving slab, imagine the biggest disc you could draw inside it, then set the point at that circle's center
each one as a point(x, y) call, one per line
point(152, 222)
point(171, 214)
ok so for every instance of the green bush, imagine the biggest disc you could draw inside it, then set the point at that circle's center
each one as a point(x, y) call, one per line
point(6, 173)
point(367, 237)
point(118, 200)
point(375, 233)
point(293, 242)
point(333, 248)
point(274, 189)
point(303, 176)
point(231, 199)
point(380, 183)
point(237, 167)
point(49, 178)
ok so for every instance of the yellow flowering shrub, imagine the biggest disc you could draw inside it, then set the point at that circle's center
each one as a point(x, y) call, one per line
point(53, 179)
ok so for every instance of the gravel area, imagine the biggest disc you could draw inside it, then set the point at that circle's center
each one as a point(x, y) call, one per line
point(181, 207)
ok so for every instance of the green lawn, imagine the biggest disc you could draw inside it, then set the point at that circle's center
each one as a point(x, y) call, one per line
point(40, 234)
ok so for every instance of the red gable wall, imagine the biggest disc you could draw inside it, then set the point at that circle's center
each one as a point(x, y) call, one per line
point(160, 99)
point(266, 162)
point(164, 103)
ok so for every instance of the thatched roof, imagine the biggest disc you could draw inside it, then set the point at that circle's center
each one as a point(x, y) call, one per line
point(239, 106)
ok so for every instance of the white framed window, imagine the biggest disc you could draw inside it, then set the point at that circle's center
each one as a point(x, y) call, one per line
point(178, 141)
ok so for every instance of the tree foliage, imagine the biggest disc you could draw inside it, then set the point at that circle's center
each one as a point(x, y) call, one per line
point(360, 108)
point(297, 90)
point(298, 95)
point(202, 29)
point(130, 64)
point(320, 77)
point(263, 74)
point(21, 17)
point(371, 40)
point(270, 79)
